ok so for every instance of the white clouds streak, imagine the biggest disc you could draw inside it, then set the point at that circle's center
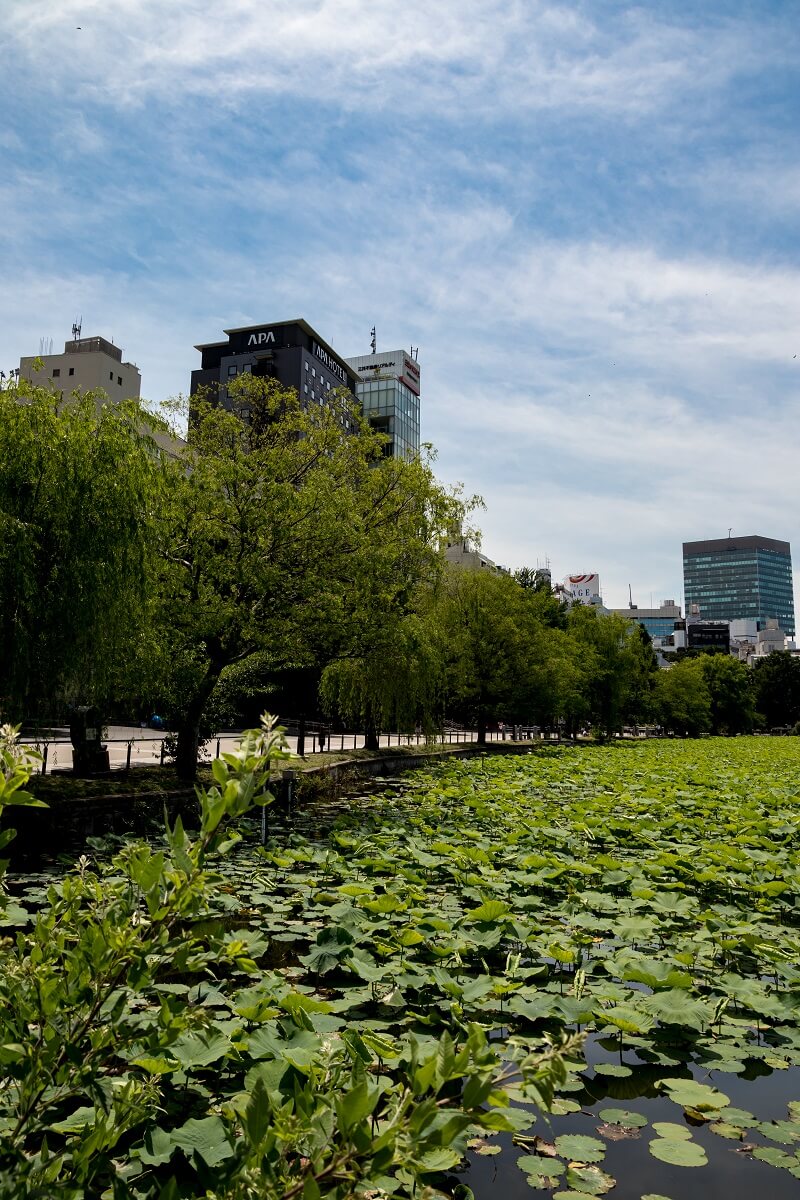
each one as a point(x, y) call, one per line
point(485, 55)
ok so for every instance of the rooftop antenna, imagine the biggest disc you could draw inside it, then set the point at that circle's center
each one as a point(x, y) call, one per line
point(45, 346)
point(730, 531)
point(373, 340)
point(76, 329)
point(630, 596)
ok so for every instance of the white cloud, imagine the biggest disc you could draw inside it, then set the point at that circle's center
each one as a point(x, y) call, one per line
point(485, 54)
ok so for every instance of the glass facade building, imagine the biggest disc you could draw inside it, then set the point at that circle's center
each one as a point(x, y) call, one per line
point(389, 396)
point(659, 622)
point(740, 577)
point(392, 409)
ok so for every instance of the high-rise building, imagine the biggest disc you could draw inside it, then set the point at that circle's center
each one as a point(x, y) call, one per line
point(389, 395)
point(740, 577)
point(87, 363)
point(289, 351)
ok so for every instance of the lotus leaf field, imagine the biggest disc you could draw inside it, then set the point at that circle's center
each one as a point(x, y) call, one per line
point(645, 896)
point(613, 929)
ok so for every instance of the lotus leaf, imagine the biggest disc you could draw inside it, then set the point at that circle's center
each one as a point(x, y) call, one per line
point(580, 1148)
point(678, 1153)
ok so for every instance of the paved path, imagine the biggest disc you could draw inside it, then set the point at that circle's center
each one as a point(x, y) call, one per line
point(146, 744)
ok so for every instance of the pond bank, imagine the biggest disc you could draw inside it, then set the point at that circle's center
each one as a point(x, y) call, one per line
point(70, 819)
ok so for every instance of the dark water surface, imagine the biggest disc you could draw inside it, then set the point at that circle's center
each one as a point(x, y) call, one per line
point(731, 1174)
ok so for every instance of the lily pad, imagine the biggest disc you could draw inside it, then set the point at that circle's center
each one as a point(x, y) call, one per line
point(673, 1131)
point(622, 1116)
point(690, 1094)
point(734, 1132)
point(613, 1070)
point(591, 1181)
point(678, 1152)
point(541, 1168)
point(580, 1148)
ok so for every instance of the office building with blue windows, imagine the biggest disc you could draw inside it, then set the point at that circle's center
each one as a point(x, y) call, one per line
point(389, 394)
point(659, 622)
point(735, 578)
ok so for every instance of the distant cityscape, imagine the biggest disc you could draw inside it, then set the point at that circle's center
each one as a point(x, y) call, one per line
point(738, 591)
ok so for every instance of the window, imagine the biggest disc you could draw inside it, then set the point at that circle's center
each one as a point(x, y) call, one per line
point(119, 380)
point(247, 369)
point(232, 371)
point(56, 372)
point(305, 388)
point(111, 376)
point(314, 372)
point(72, 370)
point(305, 365)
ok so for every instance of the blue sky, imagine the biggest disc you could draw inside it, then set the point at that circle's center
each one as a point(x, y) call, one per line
point(584, 214)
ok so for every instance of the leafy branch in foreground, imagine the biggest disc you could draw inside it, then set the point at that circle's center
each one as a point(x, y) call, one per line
point(148, 1050)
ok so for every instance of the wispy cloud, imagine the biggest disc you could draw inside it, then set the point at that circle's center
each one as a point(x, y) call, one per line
point(482, 53)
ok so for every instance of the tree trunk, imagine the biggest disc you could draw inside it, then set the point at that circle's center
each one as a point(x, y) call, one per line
point(371, 741)
point(481, 727)
point(189, 726)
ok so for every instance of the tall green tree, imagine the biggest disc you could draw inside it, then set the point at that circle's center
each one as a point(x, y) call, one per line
point(487, 651)
point(681, 700)
point(776, 688)
point(730, 689)
point(80, 487)
point(619, 667)
point(290, 535)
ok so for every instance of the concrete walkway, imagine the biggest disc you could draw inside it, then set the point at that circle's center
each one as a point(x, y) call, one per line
point(146, 745)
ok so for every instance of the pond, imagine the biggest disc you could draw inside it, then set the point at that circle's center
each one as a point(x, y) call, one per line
point(646, 895)
point(640, 900)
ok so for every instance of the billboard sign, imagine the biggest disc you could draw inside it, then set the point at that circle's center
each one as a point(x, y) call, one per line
point(584, 589)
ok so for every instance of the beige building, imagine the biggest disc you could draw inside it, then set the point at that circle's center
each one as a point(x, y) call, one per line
point(86, 364)
point(460, 552)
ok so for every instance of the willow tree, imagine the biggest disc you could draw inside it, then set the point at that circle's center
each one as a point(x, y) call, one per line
point(289, 535)
point(79, 488)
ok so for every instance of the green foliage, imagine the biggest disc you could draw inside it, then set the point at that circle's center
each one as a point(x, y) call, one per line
point(291, 536)
point(776, 688)
point(619, 667)
point(146, 1053)
point(79, 488)
point(682, 701)
point(730, 691)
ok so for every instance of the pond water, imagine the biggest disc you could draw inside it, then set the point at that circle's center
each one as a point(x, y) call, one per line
point(647, 896)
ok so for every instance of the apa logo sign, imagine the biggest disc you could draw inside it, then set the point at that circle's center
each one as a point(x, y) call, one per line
point(258, 339)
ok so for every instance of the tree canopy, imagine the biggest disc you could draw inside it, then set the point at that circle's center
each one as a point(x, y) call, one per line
point(80, 485)
point(290, 533)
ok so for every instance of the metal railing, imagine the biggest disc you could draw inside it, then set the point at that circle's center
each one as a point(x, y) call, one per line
point(149, 751)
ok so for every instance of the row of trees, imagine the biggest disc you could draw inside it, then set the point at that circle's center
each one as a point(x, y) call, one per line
point(279, 561)
point(485, 646)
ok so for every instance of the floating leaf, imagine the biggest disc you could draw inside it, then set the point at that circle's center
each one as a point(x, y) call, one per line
point(591, 1181)
point(678, 1153)
point(622, 1116)
point(613, 1070)
point(580, 1148)
point(774, 1156)
point(668, 1129)
point(723, 1129)
point(691, 1094)
point(540, 1168)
